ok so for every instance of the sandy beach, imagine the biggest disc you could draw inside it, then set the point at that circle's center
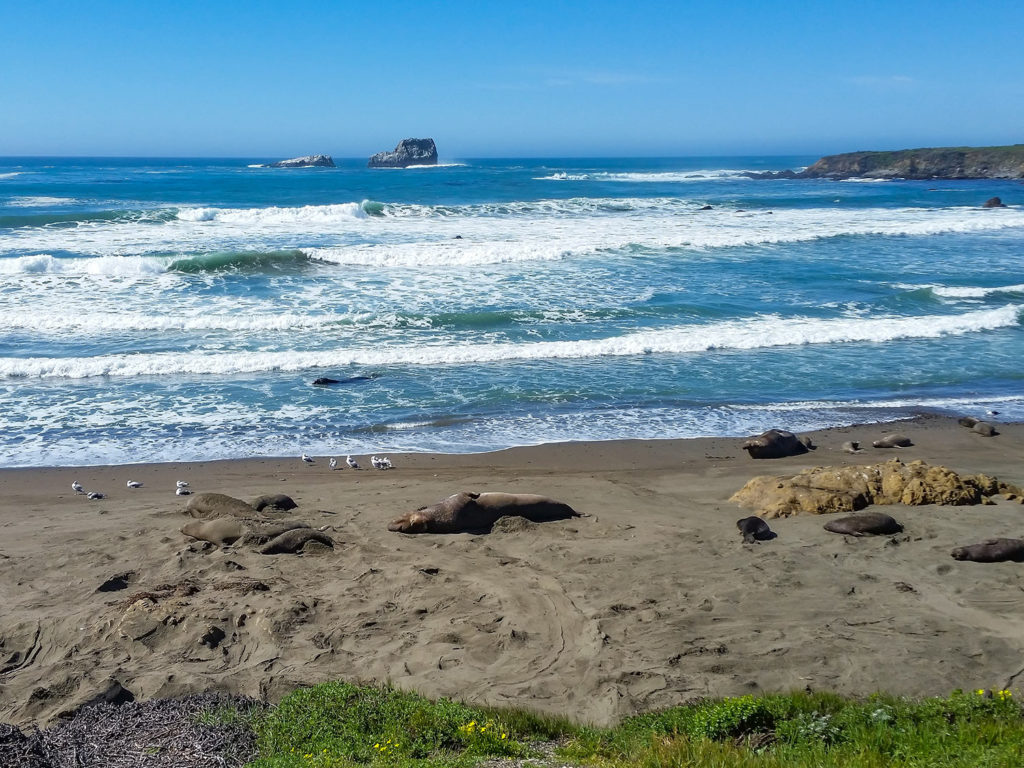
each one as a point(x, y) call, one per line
point(650, 600)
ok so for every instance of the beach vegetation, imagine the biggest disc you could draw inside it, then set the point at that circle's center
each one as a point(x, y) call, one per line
point(338, 725)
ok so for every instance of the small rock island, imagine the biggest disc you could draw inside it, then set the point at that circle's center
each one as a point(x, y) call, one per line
point(408, 152)
point(915, 164)
point(309, 161)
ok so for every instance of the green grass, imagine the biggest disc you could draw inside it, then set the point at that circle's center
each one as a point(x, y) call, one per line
point(337, 725)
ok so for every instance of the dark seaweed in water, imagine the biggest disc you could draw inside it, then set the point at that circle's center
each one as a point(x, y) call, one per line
point(162, 733)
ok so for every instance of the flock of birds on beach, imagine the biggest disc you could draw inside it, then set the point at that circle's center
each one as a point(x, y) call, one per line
point(182, 487)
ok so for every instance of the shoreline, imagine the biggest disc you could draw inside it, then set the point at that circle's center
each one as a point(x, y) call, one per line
point(650, 601)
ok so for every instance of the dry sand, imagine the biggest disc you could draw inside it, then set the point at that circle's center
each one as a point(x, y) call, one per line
point(650, 601)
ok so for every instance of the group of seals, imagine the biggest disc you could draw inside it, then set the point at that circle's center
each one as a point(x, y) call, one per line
point(224, 520)
point(983, 428)
point(468, 511)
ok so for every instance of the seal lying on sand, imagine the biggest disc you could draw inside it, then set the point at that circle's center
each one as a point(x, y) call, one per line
point(295, 540)
point(228, 530)
point(977, 425)
point(467, 511)
point(754, 529)
point(851, 446)
point(207, 505)
point(992, 551)
point(893, 440)
point(869, 523)
point(775, 444)
point(274, 501)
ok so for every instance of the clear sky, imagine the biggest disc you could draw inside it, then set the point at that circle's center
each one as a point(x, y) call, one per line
point(509, 78)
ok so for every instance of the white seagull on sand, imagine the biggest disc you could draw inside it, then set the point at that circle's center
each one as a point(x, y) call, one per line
point(77, 487)
point(375, 461)
point(182, 492)
point(134, 484)
point(306, 459)
point(385, 463)
point(351, 462)
point(97, 495)
point(181, 484)
point(333, 463)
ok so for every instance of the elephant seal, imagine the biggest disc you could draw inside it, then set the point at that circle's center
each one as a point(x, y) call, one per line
point(466, 511)
point(985, 429)
point(754, 529)
point(294, 540)
point(207, 505)
point(893, 440)
point(223, 531)
point(776, 444)
point(851, 446)
point(992, 551)
point(868, 523)
point(275, 500)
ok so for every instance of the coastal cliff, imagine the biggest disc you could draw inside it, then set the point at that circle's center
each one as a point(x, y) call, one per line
point(935, 163)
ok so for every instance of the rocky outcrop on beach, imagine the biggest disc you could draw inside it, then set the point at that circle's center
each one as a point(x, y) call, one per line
point(309, 161)
point(408, 152)
point(928, 163)
point(824, 490)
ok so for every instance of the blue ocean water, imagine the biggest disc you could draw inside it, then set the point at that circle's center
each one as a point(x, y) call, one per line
point(179, 309)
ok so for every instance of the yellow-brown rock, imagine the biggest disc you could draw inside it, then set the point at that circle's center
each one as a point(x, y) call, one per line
point(824, 490)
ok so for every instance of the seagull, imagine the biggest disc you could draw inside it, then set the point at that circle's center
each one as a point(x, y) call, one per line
point(351, 462)
point(333, 463)
point(376, 462)
point(77, 487)
point(182, 484)
point(991, 413)
point(134, 484)
point(97, 495)
point(385, 463)
point(306, 459)
point(182, 492)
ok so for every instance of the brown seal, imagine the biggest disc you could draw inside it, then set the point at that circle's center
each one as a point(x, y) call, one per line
point(465, 511)
point(776, 444)
point(992, 551)
point(893, 440)
point(867, 523)
point(227, 530)
point(754, 529)
point(276, 500)
point(294, 540)
point(207, 505)
point(851, 446)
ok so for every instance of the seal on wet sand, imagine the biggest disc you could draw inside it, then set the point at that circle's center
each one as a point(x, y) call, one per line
point(893, 440)
point(274, 501)
point(775, 444)
point(466, 511)
point(754, 529)
point(992, 551)
point(867, 523)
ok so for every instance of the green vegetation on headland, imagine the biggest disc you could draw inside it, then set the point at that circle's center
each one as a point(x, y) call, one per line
point(929, 163)
point(337, 725)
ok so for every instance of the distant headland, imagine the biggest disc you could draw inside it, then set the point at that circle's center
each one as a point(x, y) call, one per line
point(929, 163)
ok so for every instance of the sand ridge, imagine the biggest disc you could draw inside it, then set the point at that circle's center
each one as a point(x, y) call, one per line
point(651, 600)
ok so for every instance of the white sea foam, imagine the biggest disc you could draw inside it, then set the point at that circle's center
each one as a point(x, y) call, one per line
point(99, 265)
point(754, 333)
point(515, 231)
point(10, 175)
point(652, 176)
point(38, 201)
point(86, 323)
point(862, 180)
point(963, 291)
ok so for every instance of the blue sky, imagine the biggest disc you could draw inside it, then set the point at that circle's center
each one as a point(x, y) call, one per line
point(520, 78)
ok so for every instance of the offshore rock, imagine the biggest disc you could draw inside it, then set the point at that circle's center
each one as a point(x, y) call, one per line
point(993, 202)
point(408, 152)
point(309, 161)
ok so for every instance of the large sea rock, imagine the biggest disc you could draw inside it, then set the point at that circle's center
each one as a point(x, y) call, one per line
point(408, 152)
point(309, 161)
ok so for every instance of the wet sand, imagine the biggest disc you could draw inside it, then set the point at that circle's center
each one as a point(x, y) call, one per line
point(649, 601)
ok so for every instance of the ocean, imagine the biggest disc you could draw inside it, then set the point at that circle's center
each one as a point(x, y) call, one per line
point(180, 309)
